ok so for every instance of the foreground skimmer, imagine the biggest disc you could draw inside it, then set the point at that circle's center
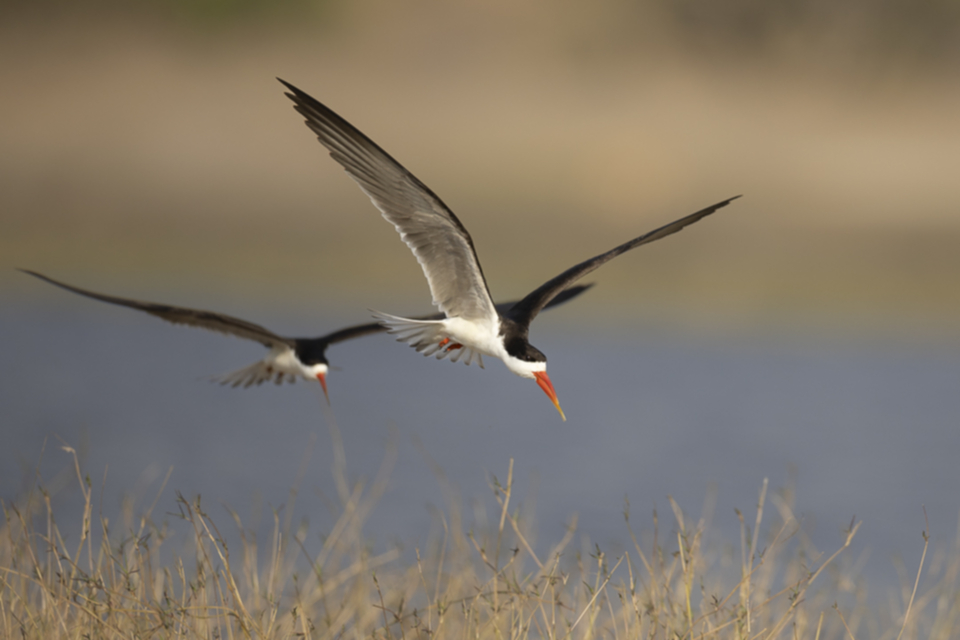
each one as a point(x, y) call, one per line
point(472, 325)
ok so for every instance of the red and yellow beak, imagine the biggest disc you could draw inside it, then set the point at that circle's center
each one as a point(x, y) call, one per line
point(322, 377)
point(544, 381)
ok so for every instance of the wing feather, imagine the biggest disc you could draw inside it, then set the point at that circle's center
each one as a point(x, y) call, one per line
point(440, 242)
point(181, 315)
point(527, 309)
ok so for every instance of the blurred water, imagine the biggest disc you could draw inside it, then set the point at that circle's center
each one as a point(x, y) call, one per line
point(866, 429)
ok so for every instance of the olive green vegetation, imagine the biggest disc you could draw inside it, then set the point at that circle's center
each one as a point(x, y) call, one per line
point(121, 579)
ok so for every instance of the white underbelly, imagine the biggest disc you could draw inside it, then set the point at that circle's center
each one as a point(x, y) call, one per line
point(483, 337)
point(283, 359)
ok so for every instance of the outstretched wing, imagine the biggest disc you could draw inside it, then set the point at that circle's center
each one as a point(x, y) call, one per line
point(564, 296)
point(180, 315)
point(528, 308)
point(440, 242)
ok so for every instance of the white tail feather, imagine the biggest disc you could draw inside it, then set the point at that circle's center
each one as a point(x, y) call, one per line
point(420, 334)
point(426, 337)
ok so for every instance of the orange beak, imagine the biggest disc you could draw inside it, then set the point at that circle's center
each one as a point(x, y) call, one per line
point(322, 377)
point(544, 381)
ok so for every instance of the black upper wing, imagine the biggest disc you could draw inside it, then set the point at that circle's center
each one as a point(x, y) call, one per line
point(564, 296)
point(349, 333)
point(180, 315)
point(527, 309)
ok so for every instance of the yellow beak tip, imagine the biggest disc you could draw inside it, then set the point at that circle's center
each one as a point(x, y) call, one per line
point(562, 415)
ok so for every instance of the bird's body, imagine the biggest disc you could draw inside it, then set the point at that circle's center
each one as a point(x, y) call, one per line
point(283, 363)
point(472, 325)
point(288, 359)
point(463, 339)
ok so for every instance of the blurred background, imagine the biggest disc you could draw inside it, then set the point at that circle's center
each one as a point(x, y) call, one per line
point(807, 333)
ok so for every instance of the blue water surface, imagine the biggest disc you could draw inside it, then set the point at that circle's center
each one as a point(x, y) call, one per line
point(859, 428)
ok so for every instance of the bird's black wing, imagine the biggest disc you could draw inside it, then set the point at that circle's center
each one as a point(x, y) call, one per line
point(564, 296)
point(180, 315)
point(349, 333)
point(440, 242)
point(528, 308)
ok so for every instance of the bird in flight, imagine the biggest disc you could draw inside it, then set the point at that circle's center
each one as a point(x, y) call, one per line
point(288, 359)
point(472, 325)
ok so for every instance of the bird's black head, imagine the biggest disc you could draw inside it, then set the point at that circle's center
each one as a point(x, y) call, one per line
point(515, 342)
point(526, 360)
point(518, 347)
point(311, 351)
point(312, 355)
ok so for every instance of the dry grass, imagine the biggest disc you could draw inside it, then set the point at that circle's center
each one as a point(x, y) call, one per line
point(481, 584)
